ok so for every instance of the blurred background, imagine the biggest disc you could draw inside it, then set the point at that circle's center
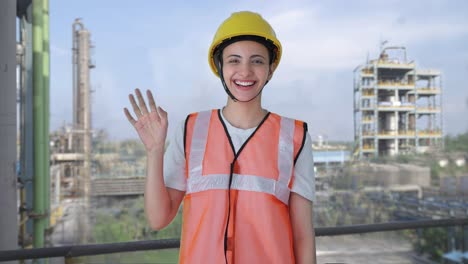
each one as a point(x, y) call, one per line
point(383, 86)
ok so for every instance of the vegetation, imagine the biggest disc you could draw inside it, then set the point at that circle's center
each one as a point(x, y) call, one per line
point(349, 208)
point(458, 143)
point(455, 147)
point(431, 241)
point(127, 222)
point(434, 242)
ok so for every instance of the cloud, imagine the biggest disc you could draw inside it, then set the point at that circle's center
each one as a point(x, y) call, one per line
point(314, 81)
point(323, 43)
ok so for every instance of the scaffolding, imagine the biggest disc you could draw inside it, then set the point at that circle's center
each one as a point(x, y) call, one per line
point(397, 107)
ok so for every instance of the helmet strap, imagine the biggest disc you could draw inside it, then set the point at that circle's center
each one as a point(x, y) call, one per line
point(221, 76)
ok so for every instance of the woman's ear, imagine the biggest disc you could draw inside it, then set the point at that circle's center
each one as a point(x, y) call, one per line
point(272, 70)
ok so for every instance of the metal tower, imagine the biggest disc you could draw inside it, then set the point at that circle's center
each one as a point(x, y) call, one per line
point(82, 101)
point(82, 108)
point(397, 107)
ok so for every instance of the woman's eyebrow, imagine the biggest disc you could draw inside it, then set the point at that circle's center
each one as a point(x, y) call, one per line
point(257, 55)
point(239, 56)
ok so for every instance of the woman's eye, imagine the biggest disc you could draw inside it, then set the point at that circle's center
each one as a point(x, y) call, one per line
point(233, 61)
point(257, 62)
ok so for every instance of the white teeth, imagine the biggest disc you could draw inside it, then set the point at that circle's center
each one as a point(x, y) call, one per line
point(244, 83)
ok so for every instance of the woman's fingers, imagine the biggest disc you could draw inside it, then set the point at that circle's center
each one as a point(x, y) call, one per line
point(135, 107)
point(162, 113)
point(129, 117)
point(152, 104)
point(141, 101)
point(141, 109)
point(150, 126)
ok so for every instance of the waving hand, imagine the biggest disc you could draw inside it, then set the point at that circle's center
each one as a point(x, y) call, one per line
point(150, 125)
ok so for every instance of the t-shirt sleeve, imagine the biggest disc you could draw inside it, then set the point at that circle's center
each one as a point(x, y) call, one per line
point(304, 175)
point(174, 161)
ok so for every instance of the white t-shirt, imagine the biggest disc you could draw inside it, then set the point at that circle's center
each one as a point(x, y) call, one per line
point(174, 161)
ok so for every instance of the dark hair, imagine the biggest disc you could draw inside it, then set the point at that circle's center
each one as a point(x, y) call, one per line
point(272, 49)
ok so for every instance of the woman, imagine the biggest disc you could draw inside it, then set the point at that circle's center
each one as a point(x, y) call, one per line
point(245, 174)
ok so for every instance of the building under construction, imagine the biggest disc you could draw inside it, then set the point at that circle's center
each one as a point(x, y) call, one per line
point(397, 106)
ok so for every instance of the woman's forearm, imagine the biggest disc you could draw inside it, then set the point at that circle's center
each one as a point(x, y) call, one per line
point(158, 205)
point(304, 250)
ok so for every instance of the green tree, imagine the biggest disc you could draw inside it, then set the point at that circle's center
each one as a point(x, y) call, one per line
point(127, 222)
point(457, 143)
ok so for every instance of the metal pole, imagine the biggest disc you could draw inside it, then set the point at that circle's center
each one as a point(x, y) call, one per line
point(46, 78)
point(442, 130)
point(8, 199)
point(26, 126)
point(39, 211)
point(21, 172)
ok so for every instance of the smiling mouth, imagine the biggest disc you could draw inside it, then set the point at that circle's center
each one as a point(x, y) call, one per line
point(244, 83)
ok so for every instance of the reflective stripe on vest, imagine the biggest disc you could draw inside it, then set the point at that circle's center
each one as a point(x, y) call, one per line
point(279, 188)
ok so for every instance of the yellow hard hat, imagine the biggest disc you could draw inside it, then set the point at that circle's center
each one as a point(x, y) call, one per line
point(244, 23)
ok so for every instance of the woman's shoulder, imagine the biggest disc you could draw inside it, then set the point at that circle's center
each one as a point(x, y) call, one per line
point(201, 111)
point(296, 121)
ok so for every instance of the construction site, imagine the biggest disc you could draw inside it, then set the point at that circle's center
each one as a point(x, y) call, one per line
point(66, 181)
point(397, 106)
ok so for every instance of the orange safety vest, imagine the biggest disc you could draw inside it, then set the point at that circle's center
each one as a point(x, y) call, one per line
point(236, 207)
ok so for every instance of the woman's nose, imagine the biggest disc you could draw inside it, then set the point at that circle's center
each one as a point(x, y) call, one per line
point(245, 69)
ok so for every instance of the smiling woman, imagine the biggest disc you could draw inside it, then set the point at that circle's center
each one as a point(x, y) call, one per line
point(245, 175)
point(246, 69)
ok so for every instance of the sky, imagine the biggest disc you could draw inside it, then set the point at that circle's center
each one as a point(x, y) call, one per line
point(163, 46)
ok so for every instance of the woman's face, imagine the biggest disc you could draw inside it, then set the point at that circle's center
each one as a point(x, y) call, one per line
point(246, 68)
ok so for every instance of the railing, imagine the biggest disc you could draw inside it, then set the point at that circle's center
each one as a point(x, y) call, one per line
point(368, 93)
point(368, 148)
point(428, 109)
point(396, 84)
point(432, 90)
point(69, 252)
point(394, 64)
point(410, 133)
